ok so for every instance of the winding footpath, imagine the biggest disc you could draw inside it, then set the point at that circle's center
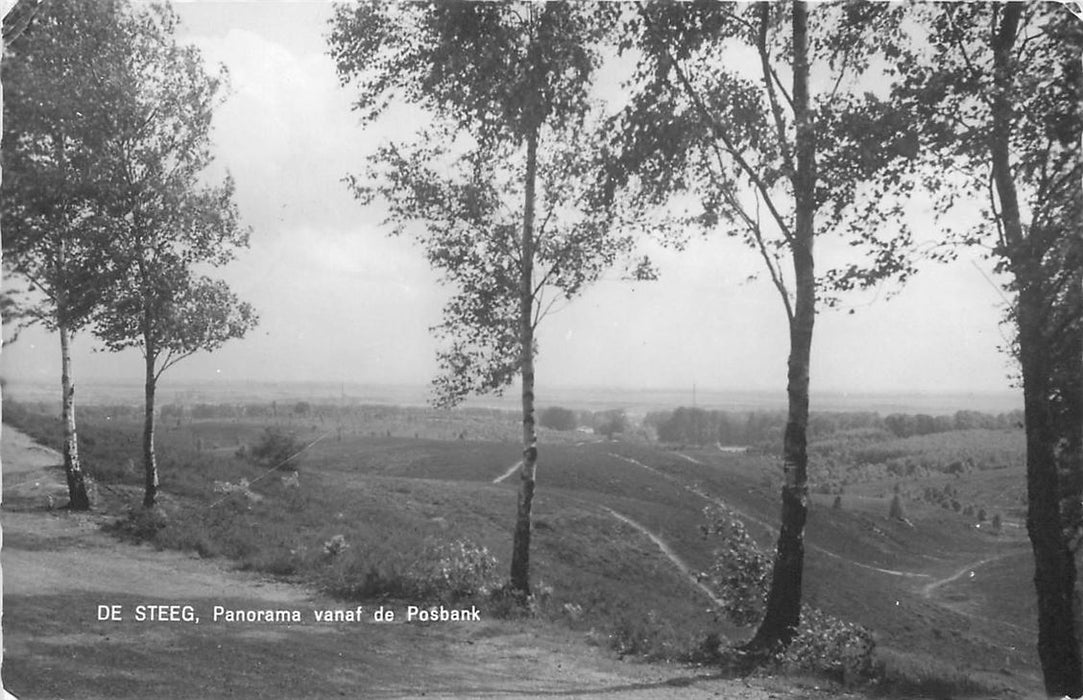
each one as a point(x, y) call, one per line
point(669, 553)
point(771, 529)
point(508, 473)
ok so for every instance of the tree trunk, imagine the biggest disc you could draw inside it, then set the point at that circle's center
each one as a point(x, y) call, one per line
point(520, 553)
point(1055, 574)
point(150, 464)
point(783, 610)
point(78, 499)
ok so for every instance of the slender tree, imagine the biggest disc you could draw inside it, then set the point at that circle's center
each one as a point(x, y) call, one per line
point(998, 96)
point(778, 165)
point(165, 221)
point(61, 98)
point(496, 189)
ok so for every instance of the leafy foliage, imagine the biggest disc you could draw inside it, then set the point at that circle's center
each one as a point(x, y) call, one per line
point(275, 449)
point(525, 65)
point(1002, 118)
point(62, 88)
point(829, 646)
point(740, 575)
point(726, 136)
point(460, 186)
point(557, 418)
point(740, 571)
point(451, 571)
point(165, 220)
point(610, 423)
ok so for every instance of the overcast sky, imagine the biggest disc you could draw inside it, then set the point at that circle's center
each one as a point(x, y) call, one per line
point(339, 300)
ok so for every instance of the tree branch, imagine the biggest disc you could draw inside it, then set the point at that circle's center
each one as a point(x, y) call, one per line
point(721, 133)
point(768, 83)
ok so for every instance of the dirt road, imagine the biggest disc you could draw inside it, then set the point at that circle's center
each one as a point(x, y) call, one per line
point(61, 575)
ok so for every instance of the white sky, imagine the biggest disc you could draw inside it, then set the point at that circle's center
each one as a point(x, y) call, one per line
point(341, 301)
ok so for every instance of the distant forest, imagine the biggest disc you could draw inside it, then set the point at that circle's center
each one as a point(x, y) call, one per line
point(697, 426)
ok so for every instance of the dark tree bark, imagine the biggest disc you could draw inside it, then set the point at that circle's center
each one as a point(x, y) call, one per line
point(783, 610)
point(520, 554)
point(1055, 575)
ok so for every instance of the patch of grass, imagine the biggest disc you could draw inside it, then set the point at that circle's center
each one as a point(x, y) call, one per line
point(912, 676)
point(109, 454)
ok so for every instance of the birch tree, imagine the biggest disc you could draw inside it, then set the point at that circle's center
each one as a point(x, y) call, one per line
point(497, 189)
point(165, 221)
point(60, 69)
point(777, 164)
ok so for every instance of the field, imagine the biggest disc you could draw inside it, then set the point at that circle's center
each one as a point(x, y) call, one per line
point(617, 526)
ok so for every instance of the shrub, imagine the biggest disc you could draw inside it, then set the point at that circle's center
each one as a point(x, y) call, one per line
point(832, 647)
point(275, 449)
point(141, 524)
point(557, 418)
point(741, 571)
point(655, 637)
point(335, 546)
point(609, 423)
point(635, 635)
point(357, 575)
point(506, 603)
point(454, 570)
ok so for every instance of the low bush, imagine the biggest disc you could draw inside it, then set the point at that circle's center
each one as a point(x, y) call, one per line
point(557, 418)
point(450, 571)
point(651, 636)
point(141, 524)
point(505, 603)
point(357, 575)
point(740, 576)
point(828, 646)
point(275, 449)
point(740, 572)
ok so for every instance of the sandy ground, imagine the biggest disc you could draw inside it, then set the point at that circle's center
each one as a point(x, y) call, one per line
point(58, 568)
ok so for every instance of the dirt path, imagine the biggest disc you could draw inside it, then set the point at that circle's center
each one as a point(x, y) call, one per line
point(928, 589)
point(509, 472)
point(771, 529)
point(669, 553)
point(59, 570)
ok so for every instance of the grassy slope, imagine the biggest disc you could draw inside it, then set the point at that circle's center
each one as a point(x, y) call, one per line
point(388, 496)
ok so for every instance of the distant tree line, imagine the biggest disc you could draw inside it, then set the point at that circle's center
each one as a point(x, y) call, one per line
point(698, 426)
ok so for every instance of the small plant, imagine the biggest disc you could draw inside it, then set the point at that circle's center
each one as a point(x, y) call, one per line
point(741, 571)
point(454, 570)
point(507, 603)
point(832, 647)
point(275, 449)
point(335, 546)
point(142, 524)
point(361, 575)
